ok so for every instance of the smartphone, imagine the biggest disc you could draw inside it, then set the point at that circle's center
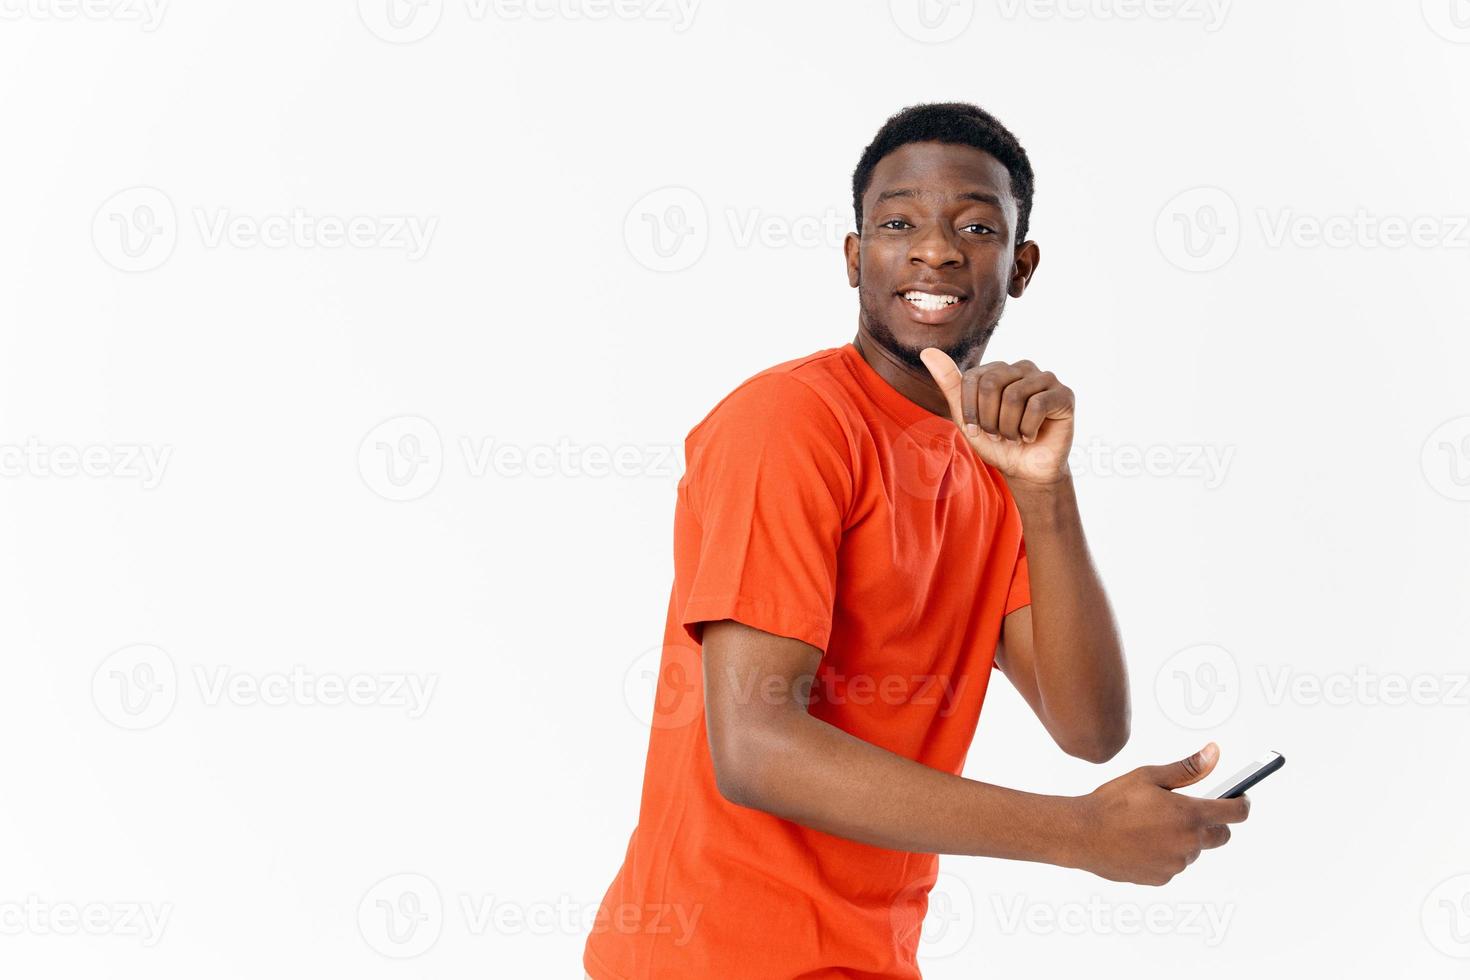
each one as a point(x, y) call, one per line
point(1248, 777)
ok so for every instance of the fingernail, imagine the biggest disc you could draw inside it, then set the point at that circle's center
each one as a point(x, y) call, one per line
point(1209, 752)
point(971, 429)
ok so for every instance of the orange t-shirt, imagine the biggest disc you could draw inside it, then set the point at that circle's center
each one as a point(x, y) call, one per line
point(817, 503)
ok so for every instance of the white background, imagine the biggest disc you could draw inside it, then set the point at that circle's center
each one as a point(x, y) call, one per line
point(371, 459)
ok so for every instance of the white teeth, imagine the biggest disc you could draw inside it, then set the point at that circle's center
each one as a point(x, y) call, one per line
point(930, 301)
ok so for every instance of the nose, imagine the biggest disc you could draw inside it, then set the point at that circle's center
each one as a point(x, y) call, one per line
point(936, 247)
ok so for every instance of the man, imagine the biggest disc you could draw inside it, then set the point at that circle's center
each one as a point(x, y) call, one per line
point(849, 566)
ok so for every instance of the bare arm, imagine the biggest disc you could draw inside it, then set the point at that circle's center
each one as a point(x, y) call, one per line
point(1062, 652)
point(771, 755)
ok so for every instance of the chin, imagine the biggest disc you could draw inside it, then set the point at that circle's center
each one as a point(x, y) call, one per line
point(905, 338)
point(954, 339)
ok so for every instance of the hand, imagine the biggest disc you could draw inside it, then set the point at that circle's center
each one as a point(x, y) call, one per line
point(1016, 417)
point(1139, 831)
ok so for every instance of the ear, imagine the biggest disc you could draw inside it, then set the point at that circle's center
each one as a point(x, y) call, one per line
point(851, 248)
point(1028, 257)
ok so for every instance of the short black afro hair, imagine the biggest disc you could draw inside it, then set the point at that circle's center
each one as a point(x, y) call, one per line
point(950, 122)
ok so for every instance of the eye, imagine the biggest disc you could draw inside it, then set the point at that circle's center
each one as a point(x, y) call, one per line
point(980, 229)
point(895, 221)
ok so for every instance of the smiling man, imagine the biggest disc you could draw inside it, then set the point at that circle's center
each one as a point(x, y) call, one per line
point(861, 535)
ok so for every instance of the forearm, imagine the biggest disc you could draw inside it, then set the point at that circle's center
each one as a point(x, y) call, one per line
point(813, 773)
point(1078, 659)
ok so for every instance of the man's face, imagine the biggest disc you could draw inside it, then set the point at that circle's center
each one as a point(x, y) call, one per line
point(937, 257)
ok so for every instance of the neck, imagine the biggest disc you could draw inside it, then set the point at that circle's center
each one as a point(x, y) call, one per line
point(915, 384)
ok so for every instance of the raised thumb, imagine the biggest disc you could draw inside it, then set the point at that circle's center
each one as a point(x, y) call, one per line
point(1188, 771)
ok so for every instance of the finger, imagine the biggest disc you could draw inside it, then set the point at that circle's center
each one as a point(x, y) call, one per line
point(946, 375)
point(1224, 811)
point(970, 393)
point(1185, 772)
point(968, 401)
point(1053, 403)
point(994, 379)
point(1217, 835)
point(1016, 400)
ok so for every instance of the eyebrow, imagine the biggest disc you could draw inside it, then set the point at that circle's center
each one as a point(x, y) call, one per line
point(980, 196)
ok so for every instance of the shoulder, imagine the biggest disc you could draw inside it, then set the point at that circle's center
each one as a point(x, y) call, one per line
point(789, 397)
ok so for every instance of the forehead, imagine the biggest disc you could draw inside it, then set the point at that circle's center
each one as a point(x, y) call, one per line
point(939, 170)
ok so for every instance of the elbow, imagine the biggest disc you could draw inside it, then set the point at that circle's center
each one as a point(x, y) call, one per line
point(735, 770)
point(1096, 751)
point(1100, 743)
point(748, 757)
point(733, 783)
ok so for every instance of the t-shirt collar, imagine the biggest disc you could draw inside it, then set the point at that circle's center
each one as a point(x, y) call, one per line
point(887, 396)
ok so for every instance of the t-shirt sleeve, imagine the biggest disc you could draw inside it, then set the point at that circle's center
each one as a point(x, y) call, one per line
point(1020, 592)
point(769, 482)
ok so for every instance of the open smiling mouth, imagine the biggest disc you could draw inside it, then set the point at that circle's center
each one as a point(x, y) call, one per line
point(931, 301)
point(932, 307)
